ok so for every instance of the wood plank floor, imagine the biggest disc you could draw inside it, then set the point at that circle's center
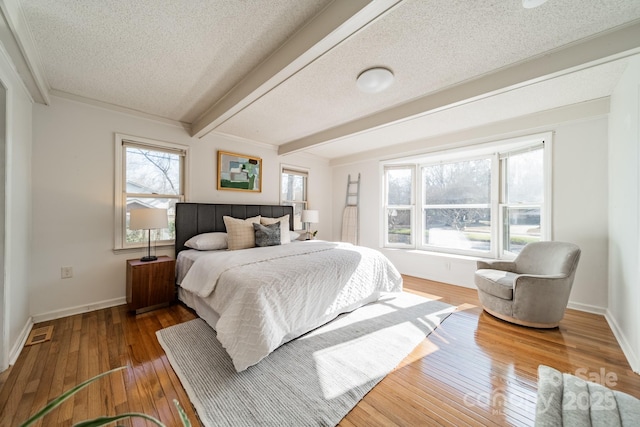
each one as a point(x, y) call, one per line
point(473, 370)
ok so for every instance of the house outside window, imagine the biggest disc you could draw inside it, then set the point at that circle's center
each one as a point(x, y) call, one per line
point(293, 192)
point(151, 174)
point(486, 201)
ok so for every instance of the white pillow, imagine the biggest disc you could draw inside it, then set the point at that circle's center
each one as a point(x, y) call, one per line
point(284, 226)
point(240, 234)
point(293, 235)
point(208, 241)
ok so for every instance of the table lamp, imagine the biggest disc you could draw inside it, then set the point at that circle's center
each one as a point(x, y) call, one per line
point(148, 219)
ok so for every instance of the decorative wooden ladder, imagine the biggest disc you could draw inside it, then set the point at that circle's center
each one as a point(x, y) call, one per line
point(351, 214)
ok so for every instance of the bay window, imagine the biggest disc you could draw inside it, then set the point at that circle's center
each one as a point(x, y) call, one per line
point(486, 201)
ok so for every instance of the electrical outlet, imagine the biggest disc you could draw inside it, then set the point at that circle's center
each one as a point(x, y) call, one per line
point(66, 272)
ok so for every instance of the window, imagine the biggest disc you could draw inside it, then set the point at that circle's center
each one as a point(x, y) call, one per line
point(293, 192)
point(456, 210)
point(485, 201)
point(150, 174)
point(522, 198)
point(400, 206)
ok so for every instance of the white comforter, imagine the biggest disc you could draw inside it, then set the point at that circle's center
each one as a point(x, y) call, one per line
point(267, 296)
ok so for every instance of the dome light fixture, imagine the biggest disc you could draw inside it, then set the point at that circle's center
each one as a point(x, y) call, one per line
point(530, 4)
point(374, 80)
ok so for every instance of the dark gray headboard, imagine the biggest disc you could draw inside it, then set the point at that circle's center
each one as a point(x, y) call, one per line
point(197, 218)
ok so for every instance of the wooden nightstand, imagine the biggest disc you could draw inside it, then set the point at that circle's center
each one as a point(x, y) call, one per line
point(150, 285)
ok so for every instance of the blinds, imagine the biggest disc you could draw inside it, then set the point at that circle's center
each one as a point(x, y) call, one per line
point(153, 147)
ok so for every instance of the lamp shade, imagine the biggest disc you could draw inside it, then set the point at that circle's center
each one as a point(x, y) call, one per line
point(148, 219)
point(310, 216)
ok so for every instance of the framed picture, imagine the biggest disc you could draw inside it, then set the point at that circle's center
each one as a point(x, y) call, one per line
point(239, 172)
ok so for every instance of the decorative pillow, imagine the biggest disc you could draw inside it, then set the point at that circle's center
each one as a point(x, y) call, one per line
point(267, 235)
point(240, 234)
point(284, 226)
point(208, 241)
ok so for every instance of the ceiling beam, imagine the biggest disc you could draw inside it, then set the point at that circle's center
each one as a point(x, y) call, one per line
point(503, 129)
point(338, 21)
point(611, 45)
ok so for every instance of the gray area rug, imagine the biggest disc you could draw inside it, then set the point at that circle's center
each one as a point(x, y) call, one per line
point(313, 380)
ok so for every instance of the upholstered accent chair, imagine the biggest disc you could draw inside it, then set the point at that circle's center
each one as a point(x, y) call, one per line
point(533, 289)
point(568, 401)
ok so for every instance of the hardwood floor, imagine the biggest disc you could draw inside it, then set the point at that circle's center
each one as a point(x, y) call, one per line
point(473, 370)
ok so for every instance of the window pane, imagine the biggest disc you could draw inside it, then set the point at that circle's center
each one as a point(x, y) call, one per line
point(152, 172)
point(458, 228)
point(466, 182)
point(140, 236)
point(293, 187)
point(399, 226)
point(399, 182)
point(523, 226)
point(525, 175)
point(293, 192)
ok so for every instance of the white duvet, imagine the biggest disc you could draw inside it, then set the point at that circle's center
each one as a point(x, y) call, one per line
point(267, 296)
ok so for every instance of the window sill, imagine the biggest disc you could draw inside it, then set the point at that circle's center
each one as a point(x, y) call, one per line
point(446, 255)
point(423, 252)
point(134, 249)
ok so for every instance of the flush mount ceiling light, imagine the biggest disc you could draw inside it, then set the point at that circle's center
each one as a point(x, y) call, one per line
point(374, 80)
point(530, 4)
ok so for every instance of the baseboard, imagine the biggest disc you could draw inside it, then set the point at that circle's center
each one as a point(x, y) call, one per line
point(587, 308)
point(19, 344)
point(627, 349)
point(57, 314)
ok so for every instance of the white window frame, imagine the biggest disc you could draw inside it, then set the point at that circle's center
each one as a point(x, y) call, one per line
point(494, 150)
point(120, 190)
point(411, 207)
point(545, 214)
point(296, 170)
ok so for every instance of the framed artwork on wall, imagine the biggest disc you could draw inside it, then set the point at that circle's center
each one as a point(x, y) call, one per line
point(239, 172)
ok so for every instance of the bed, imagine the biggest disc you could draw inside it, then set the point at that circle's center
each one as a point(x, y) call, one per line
point(259, 298)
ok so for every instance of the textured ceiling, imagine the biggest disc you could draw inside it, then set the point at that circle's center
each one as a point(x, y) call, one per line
point(186, 59)
point(573, 88)
point(169, 58)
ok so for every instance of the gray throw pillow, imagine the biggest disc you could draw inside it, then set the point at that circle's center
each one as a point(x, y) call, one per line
point(267, 235)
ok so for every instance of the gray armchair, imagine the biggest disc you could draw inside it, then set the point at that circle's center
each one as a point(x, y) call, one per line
point(532, 290)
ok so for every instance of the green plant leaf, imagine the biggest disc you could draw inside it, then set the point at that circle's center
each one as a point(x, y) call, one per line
point(183, 415)
point(58, 400)
point(101, 421)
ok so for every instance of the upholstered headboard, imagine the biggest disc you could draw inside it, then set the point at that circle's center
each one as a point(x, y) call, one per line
point(197, 218)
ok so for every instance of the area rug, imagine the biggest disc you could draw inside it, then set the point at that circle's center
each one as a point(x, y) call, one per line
point(313, 380)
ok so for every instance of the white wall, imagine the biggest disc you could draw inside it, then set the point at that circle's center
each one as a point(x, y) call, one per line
point(579, 209)
point(18, 263)
point(624, 213)
point(73, 193)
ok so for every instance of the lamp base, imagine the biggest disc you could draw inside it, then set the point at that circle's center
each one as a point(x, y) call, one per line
point(148, 258)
